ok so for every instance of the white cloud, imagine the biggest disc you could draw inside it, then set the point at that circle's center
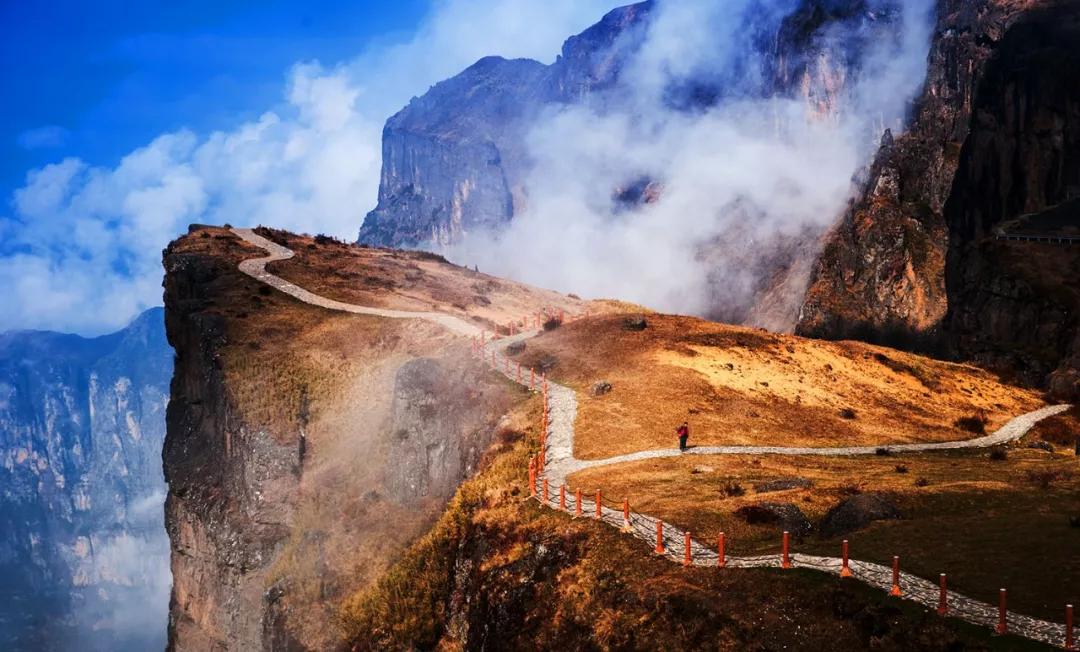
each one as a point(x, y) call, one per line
point(741, 180)
point(81, 251)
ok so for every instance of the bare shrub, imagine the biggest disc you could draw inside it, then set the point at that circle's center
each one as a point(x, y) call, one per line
point(975, 423)
point(1044, 479)
point(733, 490)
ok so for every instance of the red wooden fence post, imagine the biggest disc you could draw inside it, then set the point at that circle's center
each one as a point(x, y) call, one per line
point(943, 597)
point(1002, 626)
point(1069, 645)
point(577, 503)
point(545, 491)
point(519, 373)
point(720, 562)
point(562, 497)
point(785, 558)
point(626, 513)
point(686, 550)
point(895, 591)
point(598, 505)
point(845, 570)
point(659, 537)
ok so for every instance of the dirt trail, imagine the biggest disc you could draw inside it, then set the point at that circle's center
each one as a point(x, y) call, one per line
point(560, 463)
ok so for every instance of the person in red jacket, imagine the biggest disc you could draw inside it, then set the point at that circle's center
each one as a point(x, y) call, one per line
point(683, 432)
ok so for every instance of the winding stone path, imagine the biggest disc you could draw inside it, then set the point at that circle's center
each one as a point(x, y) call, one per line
point(561, 463)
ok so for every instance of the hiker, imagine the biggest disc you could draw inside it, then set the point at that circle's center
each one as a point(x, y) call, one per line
point(683, 432)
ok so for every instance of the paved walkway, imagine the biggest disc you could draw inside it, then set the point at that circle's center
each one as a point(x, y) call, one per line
point(560, 463)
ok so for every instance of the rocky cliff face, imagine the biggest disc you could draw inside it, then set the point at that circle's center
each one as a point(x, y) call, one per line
point(230, 486)
point(83, 553)
point(915, 262)
point(455, 159)
point(305, 448)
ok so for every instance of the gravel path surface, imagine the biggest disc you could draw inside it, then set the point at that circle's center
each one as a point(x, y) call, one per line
point(560, 463)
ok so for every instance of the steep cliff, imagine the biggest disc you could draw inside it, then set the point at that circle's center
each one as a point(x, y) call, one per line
point(455, 159)
point(307, 447)
point(915, 261)
point(83, 554)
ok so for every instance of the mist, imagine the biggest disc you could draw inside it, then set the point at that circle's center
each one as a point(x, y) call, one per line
point(713, 209)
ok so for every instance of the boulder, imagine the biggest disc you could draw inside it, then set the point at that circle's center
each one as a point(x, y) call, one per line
point(785, 515)
point(634, 323)
point(855, 513)
point(600, 388)
point(515, 348)
point(782, 484)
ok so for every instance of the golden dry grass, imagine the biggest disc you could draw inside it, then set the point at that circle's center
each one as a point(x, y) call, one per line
point(986, 523)
point(740, 386)
point(549, 581)
point(412, 280)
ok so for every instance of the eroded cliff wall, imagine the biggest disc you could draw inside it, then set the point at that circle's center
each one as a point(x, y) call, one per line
point(915, 262)
point(83, 553)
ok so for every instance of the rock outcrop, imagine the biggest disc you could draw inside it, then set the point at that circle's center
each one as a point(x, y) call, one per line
point(83, 552)
point(855, 513)
point(424, 462)
point(915, 261)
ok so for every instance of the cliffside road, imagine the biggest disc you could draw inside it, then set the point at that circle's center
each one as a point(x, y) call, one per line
point(560, 463)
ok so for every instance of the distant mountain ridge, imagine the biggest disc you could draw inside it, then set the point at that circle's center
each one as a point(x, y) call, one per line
point(83, 551)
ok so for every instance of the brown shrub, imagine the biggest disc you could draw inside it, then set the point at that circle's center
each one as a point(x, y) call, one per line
point(733, 490)
point(975, 423)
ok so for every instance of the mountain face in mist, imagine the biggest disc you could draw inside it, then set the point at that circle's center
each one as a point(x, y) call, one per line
point(995, 145)
point(83, 551)
point(455, 159)
point(461, 160)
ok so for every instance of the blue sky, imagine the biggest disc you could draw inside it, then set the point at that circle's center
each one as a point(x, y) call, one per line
point(123, 122)
point(97, 79)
